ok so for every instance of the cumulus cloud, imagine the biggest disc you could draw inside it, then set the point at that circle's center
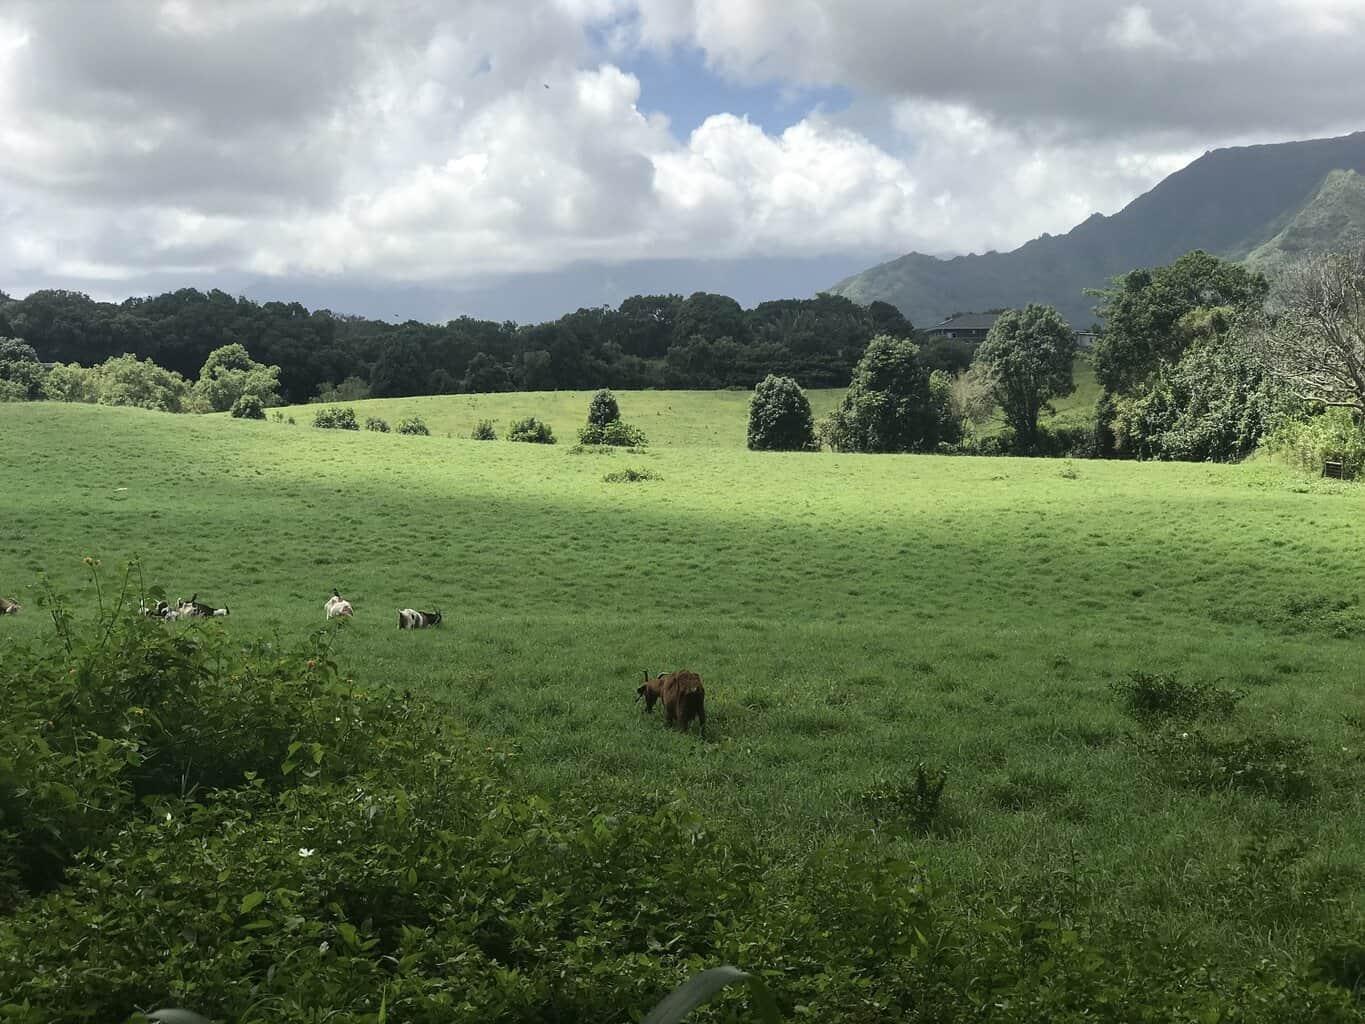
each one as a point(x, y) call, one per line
point(444, 143)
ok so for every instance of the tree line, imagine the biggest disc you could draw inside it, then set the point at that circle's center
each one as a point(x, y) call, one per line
point(704, 340)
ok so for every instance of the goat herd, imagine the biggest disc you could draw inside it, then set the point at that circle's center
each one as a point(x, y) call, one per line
point(681, 693)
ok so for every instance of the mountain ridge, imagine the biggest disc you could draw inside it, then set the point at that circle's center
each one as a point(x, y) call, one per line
point(1230, 201)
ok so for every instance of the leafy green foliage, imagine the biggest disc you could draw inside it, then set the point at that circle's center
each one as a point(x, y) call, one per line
point(229, 373)
point(1143, 310)
point(248, 407)
point(780, 417)
point(894, 404)
point(22, 376)
point(631, 475)
point(603, 409)
point(413, 425)
point(1308, 444)
point(377, 423)
point(127, 380)
point(335, 418)
point(484, 431)
point(1026, 360)
point(1156, 697)
point(616, 433)
point(916, 801)
point(531, 431)
point(1215, 404)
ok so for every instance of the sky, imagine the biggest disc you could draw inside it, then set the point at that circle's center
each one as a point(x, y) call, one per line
point(520, 158)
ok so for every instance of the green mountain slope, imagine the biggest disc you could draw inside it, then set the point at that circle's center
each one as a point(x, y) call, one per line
point(1334, 217)
point(1229, 201)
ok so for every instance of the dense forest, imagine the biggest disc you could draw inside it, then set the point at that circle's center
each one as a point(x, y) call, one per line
point(701, 341)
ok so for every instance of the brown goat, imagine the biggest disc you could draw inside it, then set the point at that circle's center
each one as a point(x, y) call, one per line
point(9, 607)
point(683, 696)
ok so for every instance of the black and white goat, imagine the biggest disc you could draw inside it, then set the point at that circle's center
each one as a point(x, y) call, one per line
point(8, 606)
point(192, 609)
point(409, 618)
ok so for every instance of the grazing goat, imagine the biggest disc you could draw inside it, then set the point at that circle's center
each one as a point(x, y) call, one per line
point(410, 619)
point(192, 609)
point(160, 610)
point(337, 606)
point(9, 607)
point(683, 696)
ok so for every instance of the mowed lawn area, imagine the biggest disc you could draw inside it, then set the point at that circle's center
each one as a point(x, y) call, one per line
point(850, 615)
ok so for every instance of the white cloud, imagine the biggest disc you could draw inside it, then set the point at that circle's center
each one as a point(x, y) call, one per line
point(426, 142)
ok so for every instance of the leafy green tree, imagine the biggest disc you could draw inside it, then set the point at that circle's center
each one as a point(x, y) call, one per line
point(780, 417)
point(128, 380)
point(229, 373)
point(71, 382)
point(604, 409)
point(894, 404)
point(1027, 359)
point(1214, 405)
point(486, 376)
point(1142, 311)
point(20, 371)
point(413, 425)
point(710, 316)
point(531, 431)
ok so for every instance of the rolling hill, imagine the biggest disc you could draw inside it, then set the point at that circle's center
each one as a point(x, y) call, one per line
point(1252, 201)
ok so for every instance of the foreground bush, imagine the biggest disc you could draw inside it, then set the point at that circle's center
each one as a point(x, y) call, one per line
point(531, 431)
point(336, 418)
point(241, 831)
point(414, 426)
point(1308, 444)
point(484, 431)
point(780, 417)
point(377, 424)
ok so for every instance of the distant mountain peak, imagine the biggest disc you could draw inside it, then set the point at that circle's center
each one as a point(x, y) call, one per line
point(1233, 201)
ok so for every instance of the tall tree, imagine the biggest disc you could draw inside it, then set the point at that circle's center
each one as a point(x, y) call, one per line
point(1143, 308)
point(893, 404)
point(1027, 359)
point(1314, 341)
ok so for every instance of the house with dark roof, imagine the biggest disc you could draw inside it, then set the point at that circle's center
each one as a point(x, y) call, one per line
point(965, 326)
point(975, 326)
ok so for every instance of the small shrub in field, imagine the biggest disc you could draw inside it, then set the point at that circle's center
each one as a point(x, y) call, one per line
point(531, 431)
point(248, 407)
point(603, 409)
point(484, 431)
point(617, 434)
point(277, 416)
point(336, 418)
point(917, 801)
point(1156, 697)
point(780, 417)
point(376, 424)
point(414, 426)
point(1273, 765)
point(631, 476)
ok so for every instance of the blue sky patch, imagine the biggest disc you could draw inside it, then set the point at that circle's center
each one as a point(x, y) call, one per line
point(680, 85)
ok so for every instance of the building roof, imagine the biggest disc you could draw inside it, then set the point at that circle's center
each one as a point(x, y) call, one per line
point(968, 322)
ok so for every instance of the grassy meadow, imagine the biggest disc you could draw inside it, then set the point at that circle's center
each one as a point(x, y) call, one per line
point(851, 616)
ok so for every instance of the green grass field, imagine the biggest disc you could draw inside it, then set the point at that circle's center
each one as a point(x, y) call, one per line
point(714, 419)
point(851, 616)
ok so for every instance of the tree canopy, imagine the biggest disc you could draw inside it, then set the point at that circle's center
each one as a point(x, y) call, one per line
point(893, 404)
point(1027, 359)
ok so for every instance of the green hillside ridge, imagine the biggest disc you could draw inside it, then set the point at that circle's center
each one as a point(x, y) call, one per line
point(1228, 202)
point(1333, 218)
